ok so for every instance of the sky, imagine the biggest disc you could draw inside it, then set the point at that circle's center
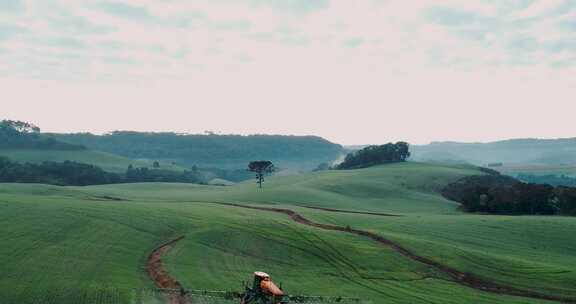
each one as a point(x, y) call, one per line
point(351, 71)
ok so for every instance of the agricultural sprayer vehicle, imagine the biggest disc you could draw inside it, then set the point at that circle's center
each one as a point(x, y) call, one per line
point(261, 291)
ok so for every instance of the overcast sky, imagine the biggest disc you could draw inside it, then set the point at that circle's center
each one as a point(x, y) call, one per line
point(352, 71)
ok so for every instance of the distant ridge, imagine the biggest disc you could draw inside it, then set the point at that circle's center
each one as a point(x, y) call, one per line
point(561, 151)
point(212, 150)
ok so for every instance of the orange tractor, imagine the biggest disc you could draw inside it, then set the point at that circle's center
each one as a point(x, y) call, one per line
point(263, 291)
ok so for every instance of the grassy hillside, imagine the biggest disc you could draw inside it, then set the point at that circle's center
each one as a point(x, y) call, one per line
point(108, 162)
point(89, 244)
point(398, 188)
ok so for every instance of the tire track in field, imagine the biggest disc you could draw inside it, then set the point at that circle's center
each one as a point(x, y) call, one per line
point(460, 277)
point(160, 276)
point(328, 258)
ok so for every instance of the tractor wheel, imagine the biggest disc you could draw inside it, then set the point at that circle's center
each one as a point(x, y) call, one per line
point(246, 299)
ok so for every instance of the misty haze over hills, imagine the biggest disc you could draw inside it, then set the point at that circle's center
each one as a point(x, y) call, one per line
point(512, 151)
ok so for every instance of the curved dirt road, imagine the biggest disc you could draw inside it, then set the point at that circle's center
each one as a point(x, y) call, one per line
point(160, 276)
point(349, 211)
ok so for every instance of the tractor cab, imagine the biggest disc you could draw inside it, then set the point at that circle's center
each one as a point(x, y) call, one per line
point(263, 291)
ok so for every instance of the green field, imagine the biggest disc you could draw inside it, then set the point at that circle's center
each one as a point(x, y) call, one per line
point(106, 161)
point(89, 244)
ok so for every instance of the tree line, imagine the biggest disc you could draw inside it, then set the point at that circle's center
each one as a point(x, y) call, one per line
point(376, 155)
point(140, 175)
point(70, 173)
point(499, 194)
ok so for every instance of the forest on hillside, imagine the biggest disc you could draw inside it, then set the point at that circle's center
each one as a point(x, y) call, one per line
point(70, 173)
point(211, 150)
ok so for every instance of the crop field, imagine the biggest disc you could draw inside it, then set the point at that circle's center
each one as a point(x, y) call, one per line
point(106, 161)
point(91, 244)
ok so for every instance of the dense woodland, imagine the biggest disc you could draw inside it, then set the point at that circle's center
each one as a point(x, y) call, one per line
point(498, 194)
point(376, 155)
point(70, 173)
point(210, 150)
point(64, 173)
point(139, 175)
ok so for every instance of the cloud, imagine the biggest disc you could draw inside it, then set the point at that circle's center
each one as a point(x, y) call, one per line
point(9, 30)
point(70, 24)
point(568, 24)
point(529, 33)
point(354, 42)
point(124, 10)
point(395, 36)
point(11, 6)
point(295, 6)
point(452, 17)
point(539, 8)
point(523, 44)
point(63, 42)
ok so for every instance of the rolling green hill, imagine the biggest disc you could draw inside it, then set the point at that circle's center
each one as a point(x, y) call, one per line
point(90, 244)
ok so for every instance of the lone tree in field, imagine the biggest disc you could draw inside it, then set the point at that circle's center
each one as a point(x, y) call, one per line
point(261, 167)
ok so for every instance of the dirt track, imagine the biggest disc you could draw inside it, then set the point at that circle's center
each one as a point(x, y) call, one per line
point(161, 278)
point(349, 211)
point(466, 279)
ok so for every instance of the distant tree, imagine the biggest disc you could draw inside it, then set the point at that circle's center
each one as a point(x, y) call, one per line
point(402, 151)
point(156, 164)
point(130, 173)
point(19, 126)
point(261, 168)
